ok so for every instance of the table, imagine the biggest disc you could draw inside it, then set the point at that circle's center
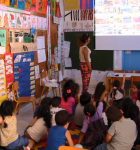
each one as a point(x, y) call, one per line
point(120, 75)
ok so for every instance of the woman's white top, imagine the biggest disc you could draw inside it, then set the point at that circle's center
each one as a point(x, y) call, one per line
point(81, 55)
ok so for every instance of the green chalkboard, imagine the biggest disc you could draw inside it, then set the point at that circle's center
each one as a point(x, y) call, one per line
point(100, 59)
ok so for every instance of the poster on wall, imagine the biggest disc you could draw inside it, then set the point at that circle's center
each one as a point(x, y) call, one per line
point(71, 4)
point(26, 21)
point(1, 20)
point(27, 4)
point(19, 20)
point(86, 4)
point(12, 20)
point(5, 19)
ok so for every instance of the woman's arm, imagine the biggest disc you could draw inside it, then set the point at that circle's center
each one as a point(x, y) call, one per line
point(69, 139)
point(85, 53)
point(81, 136)
point(122, 87)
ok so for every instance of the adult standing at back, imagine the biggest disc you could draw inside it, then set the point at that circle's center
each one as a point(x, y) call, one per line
point(85, 60)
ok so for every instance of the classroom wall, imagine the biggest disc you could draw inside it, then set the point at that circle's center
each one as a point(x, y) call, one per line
point(131, 60)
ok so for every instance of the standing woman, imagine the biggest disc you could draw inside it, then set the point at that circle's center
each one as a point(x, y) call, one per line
point(85, 60)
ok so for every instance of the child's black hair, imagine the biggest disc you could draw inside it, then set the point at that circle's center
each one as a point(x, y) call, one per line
point(68, 83)
point(67, 92)
point(126, 103)
point(113, 113)
point(46, 101)
point(133, 113)
point(100, 88)
point(139, 95)
point(74, 88)
point(104, 105)
point(44, 112)
point(61, 117)
point(116, 84)
point(56, 101)
point(6, 109)
point(89, 110)
point(85, 98)
point(137, 85)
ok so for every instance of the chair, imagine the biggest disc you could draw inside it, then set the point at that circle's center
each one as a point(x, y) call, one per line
point(132, 71)
point(21, 100)
point(43, 76)
point(120, 80)
point(134, 79)
point(70, 148)
point(119, 71)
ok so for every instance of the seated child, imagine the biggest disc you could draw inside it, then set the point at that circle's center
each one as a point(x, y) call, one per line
point(135, 90)
point(38, 129)
point(138, 100)
point(93, 115)
point(56, 101)
point(100, 88)
point(58, 135)
point(85, 98)
point(104, 109)
point(122, 133)
point(76, 89)
point(118, 93)
point(46, 100)
point(68, 83)
point(67, 101)
point(9, 137)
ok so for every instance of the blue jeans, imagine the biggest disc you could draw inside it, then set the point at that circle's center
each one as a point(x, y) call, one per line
point(20, 141)
point(101, 147)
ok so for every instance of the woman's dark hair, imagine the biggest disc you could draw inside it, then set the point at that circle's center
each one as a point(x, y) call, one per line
point(6, 109)
point(89, 110)
point(61, 117)
point(68, 83)
point(44, 112)
point(46, 101)
point(116, 84)
point(100, 88)
point(67, 92)
point(133, 113)
point(85, 98)
point(137, 85)
point(126, 103)
point(74, 88)
point(104, 105)
point(82, 40)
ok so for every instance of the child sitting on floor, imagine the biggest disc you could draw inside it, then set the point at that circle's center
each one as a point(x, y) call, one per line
point(76, 89)
point(93, 115)
point(9, 137)
point(58, 135)
point(122, 133)
point(117, 94)
point(39, 127)
point(56, 101)
point(100, 88)
point(135, 90)
point(85, 98)
point(67, 101)
point(104, 109)
point(68, 83)
point(46, 100)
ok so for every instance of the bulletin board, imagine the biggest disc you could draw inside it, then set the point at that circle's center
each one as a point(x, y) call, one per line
point(43, 65)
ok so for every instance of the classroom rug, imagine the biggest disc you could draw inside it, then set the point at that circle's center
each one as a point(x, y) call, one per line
point(74, 130)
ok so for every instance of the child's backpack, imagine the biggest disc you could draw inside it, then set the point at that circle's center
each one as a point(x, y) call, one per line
point(95, 134)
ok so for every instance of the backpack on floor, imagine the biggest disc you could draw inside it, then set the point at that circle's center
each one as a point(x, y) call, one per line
point(95, 134)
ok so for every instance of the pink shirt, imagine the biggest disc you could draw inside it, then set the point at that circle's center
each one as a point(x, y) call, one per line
point(67, 105)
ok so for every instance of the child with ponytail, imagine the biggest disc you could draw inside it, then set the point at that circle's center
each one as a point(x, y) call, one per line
point(117, 94)
point(67, 101)
point(9, 137)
